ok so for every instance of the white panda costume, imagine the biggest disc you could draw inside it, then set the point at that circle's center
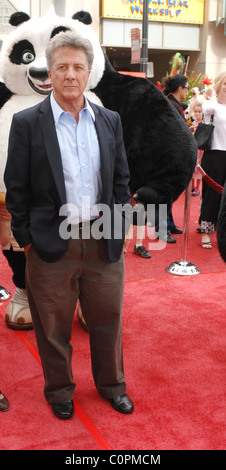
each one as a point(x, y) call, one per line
point(23, 70)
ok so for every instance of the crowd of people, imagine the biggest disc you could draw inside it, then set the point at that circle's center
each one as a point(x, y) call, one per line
point(210, 103)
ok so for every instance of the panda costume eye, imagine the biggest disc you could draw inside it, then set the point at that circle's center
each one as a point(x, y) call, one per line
point(28, 57)
point(22, 52)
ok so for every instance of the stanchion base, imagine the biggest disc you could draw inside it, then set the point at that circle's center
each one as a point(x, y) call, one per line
point(4, 293)
point(182, 268)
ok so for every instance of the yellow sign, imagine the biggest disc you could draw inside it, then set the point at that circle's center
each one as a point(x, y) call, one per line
point(175, 11)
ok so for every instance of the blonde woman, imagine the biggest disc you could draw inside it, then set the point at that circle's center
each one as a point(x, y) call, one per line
point(214, 160)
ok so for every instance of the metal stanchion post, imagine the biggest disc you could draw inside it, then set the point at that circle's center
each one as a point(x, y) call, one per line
point(144, 46)
point(183, 267)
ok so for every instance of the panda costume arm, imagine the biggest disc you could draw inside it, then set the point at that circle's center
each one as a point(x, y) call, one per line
point(5, 94)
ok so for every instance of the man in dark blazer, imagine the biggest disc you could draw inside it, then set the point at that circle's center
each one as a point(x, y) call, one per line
point(63, 152)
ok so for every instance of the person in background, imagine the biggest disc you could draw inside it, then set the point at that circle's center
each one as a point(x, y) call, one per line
point(139, 249)
point(214, 160)
point(176, 89)
point(197, 177)
point(197, 97)
point(209, 94)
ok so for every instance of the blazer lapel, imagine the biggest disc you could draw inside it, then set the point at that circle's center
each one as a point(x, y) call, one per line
point(52, 147)
point(54, 156)
point(104, 155)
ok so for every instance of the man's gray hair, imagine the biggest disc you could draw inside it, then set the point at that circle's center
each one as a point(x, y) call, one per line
point(69, 39)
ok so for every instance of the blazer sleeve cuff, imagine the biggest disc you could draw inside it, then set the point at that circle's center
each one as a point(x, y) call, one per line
point(23, 238)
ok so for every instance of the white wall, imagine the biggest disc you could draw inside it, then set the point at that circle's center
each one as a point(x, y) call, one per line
point(92, 6)
point(213, 44)
point(216, 50)
point(117, 33)
point(22, 5)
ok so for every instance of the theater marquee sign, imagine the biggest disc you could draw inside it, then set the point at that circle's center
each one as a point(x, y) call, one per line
point(6, 10)
point(173, 11)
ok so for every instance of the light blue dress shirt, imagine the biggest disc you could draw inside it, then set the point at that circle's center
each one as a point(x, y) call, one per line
point(80, 156)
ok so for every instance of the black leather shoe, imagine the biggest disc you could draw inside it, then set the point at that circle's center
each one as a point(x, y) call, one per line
point(63, 409)
point(176, 230)
point(170, 239)
point(122, 403)
point(4, 404)
point(167, 239)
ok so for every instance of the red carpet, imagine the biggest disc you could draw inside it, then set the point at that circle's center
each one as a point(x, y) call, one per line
point(174, 348)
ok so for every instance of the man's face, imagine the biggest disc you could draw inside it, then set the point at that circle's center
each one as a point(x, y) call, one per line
point(69, 74)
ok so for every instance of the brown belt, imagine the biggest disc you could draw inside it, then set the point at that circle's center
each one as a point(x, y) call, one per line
point(82, 225)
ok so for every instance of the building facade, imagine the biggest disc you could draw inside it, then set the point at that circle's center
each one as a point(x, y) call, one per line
point(195, 28)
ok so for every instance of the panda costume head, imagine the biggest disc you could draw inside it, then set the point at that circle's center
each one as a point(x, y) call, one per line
point(23, 61)
point(23, 66)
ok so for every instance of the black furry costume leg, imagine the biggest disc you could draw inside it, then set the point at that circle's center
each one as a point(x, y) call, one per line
point(17, 262)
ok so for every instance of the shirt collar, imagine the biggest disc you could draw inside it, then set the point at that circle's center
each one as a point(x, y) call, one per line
point(58, 111)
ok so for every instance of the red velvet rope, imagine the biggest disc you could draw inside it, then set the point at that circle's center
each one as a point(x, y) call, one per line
point(210, 181)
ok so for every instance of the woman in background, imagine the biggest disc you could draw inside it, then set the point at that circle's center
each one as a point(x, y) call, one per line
point(214, 160)
point(176, 89)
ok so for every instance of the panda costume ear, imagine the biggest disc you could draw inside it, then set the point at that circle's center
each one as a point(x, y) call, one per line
point(83, 17)
point(18, 18)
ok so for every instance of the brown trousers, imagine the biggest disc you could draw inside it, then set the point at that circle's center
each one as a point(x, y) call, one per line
point(84, 273)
